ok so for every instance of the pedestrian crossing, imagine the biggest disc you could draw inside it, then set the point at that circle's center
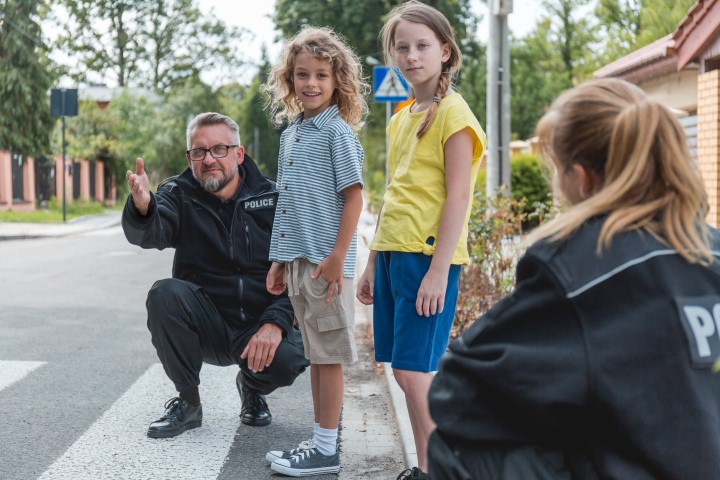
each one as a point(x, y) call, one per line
point(116, 447)
point(12, 371)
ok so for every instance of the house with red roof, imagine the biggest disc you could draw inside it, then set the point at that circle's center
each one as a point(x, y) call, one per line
point(682, 71)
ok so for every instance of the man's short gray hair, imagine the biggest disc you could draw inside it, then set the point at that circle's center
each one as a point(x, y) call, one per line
point(212, 118)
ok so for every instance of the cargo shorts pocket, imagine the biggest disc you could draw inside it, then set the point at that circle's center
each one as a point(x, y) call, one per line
point(333, 328)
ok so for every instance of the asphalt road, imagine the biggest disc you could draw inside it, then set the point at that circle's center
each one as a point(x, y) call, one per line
point(80, 381)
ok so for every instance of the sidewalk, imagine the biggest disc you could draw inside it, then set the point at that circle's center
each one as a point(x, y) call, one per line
point(22, 231)
point(368, 432)
point(366, 230)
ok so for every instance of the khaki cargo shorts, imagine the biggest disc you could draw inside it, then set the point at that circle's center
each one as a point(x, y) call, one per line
point(327, 328)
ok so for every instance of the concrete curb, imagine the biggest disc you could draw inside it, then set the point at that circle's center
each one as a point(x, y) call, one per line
point(400, 411)
point(402, 418)
point(366, 230)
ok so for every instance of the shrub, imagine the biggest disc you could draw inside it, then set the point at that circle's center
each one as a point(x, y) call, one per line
point(528, 182)
point(494, 233)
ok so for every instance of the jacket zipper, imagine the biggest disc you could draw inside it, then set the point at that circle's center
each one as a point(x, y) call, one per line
point(248, 242)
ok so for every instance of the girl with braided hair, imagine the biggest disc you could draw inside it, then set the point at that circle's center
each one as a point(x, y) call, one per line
point(435, 148)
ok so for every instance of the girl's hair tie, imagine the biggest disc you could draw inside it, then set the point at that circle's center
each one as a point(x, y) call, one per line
point(436, 99)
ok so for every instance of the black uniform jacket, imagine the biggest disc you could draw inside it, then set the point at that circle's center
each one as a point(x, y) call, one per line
point(231, 265)
point(611, 355)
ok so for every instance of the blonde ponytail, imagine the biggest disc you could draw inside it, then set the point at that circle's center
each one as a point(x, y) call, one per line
point(640, 151)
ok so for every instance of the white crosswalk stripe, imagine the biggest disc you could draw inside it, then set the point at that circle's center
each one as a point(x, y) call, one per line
point(116, 447)
point(11, 371)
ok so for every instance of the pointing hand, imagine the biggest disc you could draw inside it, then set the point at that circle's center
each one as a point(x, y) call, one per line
point(139, 186)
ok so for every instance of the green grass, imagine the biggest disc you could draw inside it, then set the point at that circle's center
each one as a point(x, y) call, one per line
point(54, 213)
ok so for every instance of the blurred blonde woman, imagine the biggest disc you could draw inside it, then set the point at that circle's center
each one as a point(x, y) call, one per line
point(599, 364)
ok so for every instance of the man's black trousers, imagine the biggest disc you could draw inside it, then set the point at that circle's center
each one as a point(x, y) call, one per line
point(187, 330)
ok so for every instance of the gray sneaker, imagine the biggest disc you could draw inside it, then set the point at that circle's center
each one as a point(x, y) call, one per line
point(307, 462)
point(273, 455)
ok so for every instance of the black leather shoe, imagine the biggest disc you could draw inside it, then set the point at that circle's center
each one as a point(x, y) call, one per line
point(255, 411)
point(179, 416)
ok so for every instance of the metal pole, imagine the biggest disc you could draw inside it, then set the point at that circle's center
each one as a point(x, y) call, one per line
point(64, 174)
point(498, 98)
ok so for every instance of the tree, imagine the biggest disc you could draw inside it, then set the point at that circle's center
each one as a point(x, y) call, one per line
point(631, 24)
point(258, 134)
point(103, 36)
point(181, 104)
point(570, 35)
point(538, 75)
point(620, 21)
point(659, 18)
point(149, 43)
point(360, 21)
point(181, 43)
point(555, 55)
point(115, 135)
point(25, 78)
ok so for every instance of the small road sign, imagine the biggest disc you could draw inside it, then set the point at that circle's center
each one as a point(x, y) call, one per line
point(389, 85)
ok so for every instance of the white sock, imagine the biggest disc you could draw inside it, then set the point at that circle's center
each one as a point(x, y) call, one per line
point(325, 439)
point(316, 425)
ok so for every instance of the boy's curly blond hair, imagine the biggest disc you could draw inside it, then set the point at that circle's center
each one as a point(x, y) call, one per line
point(324, 44)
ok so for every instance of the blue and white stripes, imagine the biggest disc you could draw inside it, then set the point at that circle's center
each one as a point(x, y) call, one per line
point(319, 157)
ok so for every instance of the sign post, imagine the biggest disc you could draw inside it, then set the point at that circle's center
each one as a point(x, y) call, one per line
point(63, 102)
point(389, 86)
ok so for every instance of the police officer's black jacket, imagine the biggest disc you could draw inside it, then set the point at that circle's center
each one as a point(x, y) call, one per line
point(611, 355)
point(230, 264)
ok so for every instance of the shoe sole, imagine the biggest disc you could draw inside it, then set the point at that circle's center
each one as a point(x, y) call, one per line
point(269, 458)
point(256, 423)
point(295, 472)
point(175, 433)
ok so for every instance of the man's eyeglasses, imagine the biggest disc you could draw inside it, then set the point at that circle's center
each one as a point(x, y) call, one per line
point(218, 151)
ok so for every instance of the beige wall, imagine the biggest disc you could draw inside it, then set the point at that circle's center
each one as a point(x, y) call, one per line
point(677, 90)
point(58, 181)
point(6, 195)
point(708, 139)
point(6, 184)
point(99, 181)
point(29, 181)
point(84, 167)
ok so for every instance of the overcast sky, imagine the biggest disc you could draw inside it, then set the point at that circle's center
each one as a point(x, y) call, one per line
point(254, 15)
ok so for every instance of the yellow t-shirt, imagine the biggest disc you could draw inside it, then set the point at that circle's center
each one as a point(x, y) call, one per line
point(416, 193)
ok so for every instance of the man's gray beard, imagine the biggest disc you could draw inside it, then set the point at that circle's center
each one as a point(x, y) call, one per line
point(212, 184)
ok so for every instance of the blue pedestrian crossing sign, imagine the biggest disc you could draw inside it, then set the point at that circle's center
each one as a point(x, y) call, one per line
point(389, 85)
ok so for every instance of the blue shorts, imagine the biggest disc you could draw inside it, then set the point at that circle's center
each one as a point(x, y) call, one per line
point(402, 337)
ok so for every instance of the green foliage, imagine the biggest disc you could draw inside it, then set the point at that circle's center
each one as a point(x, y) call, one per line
point(571, 36)
point(25, 78)
point(259, 136)
point(529, 187)
point(553, 57)
point(170, 122)
point(115, 135)
point(53, 213)
point(530, 184)
point(495, 226)
point(472, 81)
point(494, 239)
point(659, 18)
point(632, 24)
point(537, 77)
point(152, 43)
point(566, 47)
point(373, 140)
